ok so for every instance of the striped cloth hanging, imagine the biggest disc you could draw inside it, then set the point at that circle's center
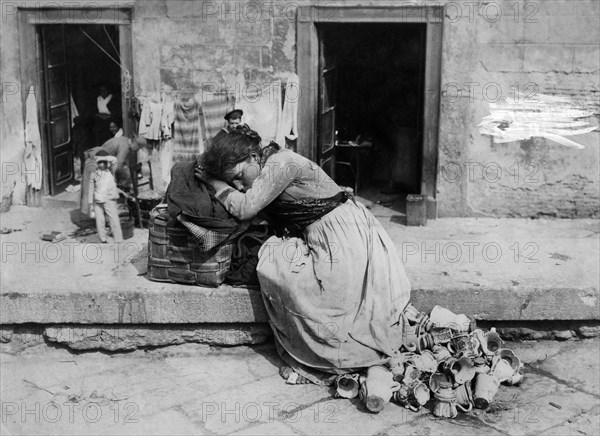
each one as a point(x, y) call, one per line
point(187, 136)
point(214, 112)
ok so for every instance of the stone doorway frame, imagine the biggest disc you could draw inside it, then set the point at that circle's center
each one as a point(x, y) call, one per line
point(29, 17)
point(307, 62)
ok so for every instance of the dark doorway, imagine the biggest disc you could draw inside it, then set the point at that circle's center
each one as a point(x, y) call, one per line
point(379, 101)
point(77, 62)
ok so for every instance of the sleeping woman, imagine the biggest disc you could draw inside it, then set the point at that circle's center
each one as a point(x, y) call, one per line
point(332, 281)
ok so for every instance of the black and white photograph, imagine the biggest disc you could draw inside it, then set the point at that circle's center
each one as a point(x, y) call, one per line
point(309, 217)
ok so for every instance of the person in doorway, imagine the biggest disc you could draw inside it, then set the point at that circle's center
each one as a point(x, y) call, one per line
point(102, 102)
point(333, 283)
point(115, 129)
point(103, 201)
point(103, 115)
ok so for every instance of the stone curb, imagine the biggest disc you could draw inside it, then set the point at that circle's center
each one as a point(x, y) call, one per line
point(226, 304)
point(114, 337)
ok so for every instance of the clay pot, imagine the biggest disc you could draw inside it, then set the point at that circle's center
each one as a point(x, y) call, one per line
point(511, 358)
point(464, 397)
point(461, 370)
point(493, 342)
point(347, 386)
point(396, 364)
point(378, 388)
point(439, 381)
point(444, 318)
point(485, 387)
point(515, 380)
point(412, 374)
point(445, 405)
point(441, 353)
point(424, 362)
point(502, 370)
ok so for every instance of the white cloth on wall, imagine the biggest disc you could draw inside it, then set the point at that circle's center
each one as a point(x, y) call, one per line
point(150, 119)
point(74, 111)
point(262, 110)
point(144, 118)
point(166, 161)
point(33, 142)
point(167, 118)
point(288, 125)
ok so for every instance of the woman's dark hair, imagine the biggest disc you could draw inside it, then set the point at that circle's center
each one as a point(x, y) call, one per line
point(226, 151)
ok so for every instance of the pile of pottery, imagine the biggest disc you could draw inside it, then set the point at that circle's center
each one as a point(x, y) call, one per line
point(443, 356)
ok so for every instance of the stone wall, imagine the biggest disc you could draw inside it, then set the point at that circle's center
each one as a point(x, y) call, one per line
point(543, 47)
point(184, 47)
point(546, 47)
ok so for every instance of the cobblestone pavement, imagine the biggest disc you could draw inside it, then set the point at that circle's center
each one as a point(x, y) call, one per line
point(197, 389)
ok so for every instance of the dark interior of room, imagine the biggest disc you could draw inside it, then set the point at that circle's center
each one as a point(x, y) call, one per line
point(77, 61)
point(91, 67)
point(379, 94)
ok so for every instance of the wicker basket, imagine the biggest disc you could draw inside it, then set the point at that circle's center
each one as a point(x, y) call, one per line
point(174, 255)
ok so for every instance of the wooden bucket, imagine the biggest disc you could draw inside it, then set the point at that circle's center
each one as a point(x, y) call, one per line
point(127, 221)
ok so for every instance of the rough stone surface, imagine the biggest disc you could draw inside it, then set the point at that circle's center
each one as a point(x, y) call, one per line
point(199, 389)
point(589, 331)
point(546, 330)
point(6, 333)
point(126, 337)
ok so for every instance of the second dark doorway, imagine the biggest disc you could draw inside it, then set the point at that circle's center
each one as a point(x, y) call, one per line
point(379, 95)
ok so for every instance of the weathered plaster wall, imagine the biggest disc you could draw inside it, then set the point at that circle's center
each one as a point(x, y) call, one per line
point(186, 47)
point(549, 47)
point(12, 140)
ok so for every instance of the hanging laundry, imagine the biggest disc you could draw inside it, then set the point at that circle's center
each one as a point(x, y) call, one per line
point(150, 120)
point(144, 117)
point(288, 125)
point(214, 111)
point(262, 110)
point(166, 122)
point(165, 151)
point(33, 143)
point(187, 137)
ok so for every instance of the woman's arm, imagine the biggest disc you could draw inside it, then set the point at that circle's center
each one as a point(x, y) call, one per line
point(278, 173)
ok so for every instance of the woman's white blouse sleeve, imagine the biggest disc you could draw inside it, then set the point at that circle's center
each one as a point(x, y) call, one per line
point(278, 173)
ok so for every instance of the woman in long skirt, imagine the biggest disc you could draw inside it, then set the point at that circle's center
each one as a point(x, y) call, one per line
point(332, 281)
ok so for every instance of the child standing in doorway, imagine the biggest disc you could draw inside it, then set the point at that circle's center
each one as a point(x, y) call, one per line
point(106, 194)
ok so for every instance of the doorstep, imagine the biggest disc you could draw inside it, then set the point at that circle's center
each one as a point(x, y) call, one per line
point(546, 270)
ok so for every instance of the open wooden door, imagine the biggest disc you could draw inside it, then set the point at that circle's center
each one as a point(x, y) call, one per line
point(326, 109)
point(57, 111)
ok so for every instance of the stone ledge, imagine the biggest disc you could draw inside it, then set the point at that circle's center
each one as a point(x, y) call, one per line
point(114, 337)
point(179, 305)
point(124, 338)
point(129, 337)
point(226, 304)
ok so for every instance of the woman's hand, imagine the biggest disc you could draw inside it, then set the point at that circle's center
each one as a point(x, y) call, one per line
point(201, 175)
